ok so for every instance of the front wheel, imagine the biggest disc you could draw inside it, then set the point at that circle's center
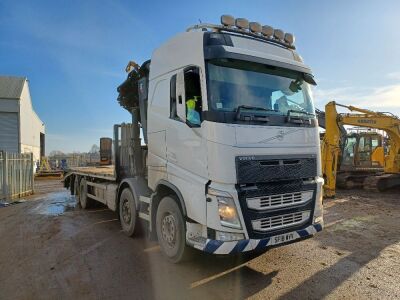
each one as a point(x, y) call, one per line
point(170, 229)
point(127, 212)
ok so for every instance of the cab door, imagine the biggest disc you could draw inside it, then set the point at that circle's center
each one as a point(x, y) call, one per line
point(186, 149)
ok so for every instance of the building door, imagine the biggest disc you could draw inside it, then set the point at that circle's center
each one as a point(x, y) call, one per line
point(42, 145)
point(9, 134)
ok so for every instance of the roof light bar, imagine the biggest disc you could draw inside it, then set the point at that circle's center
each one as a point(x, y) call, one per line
point(289, 38)
point(244, 27)
point(267, 31)
point(255, 27)
point(278, 34)
point(242, 23)
point(227, 20)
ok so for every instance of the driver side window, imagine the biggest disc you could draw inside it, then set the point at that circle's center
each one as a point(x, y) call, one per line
point(193, 106)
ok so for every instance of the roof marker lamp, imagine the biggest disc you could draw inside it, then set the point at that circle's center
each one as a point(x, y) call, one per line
point(278, 34)
point(255, 27)
point(226, 208)
point(227, 20)
point(267, 31)
point(289, 38)
point(242, 23)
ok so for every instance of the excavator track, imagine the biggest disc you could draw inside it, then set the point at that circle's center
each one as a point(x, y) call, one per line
point(382, 182)
point(350, 181)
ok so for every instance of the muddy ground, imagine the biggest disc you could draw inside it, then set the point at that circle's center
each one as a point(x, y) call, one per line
point(51, 249)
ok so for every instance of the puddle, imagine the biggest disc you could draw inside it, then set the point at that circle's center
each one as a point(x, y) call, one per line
point(357, 223)
point(56, 204)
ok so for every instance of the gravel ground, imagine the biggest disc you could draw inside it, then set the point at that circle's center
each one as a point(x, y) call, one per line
point(51, 249)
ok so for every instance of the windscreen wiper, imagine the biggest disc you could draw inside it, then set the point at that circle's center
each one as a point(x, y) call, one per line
point(298, 119)
point(251, 116)
point(300, 112)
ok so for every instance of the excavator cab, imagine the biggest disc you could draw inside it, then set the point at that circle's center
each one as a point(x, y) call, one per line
point(370, 151)
point(363, 151)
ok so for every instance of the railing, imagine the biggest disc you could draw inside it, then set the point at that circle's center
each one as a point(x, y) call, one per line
point(63, 161)
point(16, 175)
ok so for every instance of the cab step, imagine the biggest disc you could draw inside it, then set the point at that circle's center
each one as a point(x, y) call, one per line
point(145, 208)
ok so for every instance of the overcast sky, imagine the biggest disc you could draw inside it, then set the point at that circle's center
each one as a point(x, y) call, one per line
point(74, 52)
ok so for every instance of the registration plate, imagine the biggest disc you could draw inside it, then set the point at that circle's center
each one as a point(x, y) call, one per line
point(282, 238)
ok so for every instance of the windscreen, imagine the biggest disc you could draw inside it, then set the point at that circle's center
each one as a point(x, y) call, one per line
point(234, 83)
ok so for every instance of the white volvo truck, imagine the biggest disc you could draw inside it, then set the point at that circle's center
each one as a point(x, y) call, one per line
point(236, 170)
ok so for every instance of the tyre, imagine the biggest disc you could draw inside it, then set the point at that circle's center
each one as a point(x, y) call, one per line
point(84, 201)
point(71, 185)
point(127, 212)
point(76, 189)
point(171, 232)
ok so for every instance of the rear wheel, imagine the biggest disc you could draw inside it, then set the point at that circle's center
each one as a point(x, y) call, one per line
point(84, 201)
point(76, 189)
point(127, 212)
point(171, 231)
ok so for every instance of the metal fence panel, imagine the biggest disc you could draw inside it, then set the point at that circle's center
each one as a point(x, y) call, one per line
point(16, 175)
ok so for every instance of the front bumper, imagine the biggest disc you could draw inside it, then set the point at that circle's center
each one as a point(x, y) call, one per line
point(232, 247)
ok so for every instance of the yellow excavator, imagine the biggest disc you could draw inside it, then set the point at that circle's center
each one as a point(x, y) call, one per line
point(362, 151)
point(333, 144)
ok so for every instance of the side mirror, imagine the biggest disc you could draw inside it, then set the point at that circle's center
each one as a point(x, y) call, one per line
point(309, 79)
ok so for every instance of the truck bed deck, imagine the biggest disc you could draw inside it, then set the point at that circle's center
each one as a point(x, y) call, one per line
point(105, 172)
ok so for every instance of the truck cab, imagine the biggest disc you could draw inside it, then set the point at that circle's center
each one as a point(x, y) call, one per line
point(231, 156)
point(246, 170)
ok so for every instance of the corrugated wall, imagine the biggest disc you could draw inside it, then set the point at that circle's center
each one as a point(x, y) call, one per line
point(9, 131)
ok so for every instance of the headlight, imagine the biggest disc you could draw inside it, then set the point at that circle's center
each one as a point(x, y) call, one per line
point(226, 209)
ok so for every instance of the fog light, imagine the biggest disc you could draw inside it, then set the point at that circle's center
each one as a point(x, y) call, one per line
point(279, 34)
point(242, 23)
point(289, 38)
point(227, 20)
point(228, 236)
point(255, 27)
point(318, 219)
point(267, 31)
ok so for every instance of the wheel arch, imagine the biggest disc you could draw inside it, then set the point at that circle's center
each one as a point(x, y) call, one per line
point(138, 186)
point(165, 188)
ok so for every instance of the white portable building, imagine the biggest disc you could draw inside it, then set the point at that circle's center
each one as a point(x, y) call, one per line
point(21, 130)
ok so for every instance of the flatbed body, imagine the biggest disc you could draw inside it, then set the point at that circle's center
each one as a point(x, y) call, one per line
point(101, 172)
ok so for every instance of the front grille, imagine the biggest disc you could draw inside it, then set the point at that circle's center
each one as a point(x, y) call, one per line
point(279, 200)
point(265, 201)
point(281, 221)
point(265, 168)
